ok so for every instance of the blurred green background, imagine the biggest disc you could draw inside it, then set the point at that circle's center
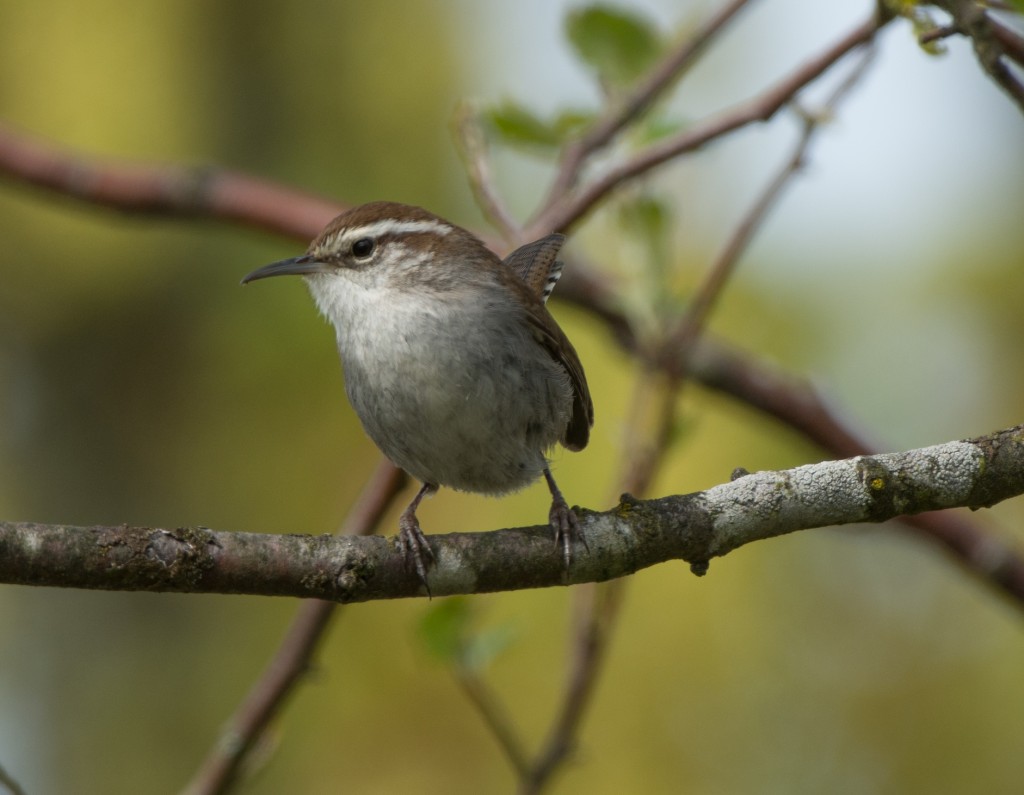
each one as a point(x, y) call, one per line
point(140, 384)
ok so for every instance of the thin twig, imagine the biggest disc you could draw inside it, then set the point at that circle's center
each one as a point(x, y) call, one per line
point(597, 604)
point(473, 148)
point(681, 341)
point(1010, 40)
point(220, 770)
point(993, 43)
point(7, 782)
point(937, 34)
point(495, 716)
point(662, 77)
point(597, 607)
point(562, 215)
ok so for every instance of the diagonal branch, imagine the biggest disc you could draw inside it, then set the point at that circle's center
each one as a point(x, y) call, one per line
point(994, 43)
point(473, 148)
point(660, 79)
point(684, 336)
point(267, 696)
point(632, 536)
point(562, 215)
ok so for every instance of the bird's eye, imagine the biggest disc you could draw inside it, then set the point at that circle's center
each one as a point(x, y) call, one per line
point(363, 248)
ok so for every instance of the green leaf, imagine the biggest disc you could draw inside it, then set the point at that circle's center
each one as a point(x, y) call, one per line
point(517, 125)
point(445, 626)
point(447, 632)
point(619, 45)
point(657, 128)
point(644, 216)
point(485, 646)
point(569, 123)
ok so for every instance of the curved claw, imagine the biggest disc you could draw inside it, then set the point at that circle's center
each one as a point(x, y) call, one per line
point(564, 522)
point(411, 542)
point(415, 548)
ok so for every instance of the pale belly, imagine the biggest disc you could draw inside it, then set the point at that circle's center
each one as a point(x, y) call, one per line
point(471, 404)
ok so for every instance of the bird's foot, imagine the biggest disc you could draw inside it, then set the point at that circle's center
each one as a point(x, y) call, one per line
point(413, 545)
point(411, 542)
point(564, 523)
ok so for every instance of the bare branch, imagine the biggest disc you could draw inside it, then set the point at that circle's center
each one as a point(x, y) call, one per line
point(561, 215)
point(473, 148)
point(597, 609)
point(681, 341)
point(495, 717)
point(632, 536)
point(8, 783)
point(597, 604)
point(164, 190)
point(660, 79)
point(994, 43)
point(1011, 42)
point(267, 696)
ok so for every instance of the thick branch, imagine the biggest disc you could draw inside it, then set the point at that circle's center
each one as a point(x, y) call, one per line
point(632, 536)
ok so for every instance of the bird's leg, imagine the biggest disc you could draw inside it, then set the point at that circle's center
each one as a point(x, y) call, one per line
point(411, 541)
point(563, 521)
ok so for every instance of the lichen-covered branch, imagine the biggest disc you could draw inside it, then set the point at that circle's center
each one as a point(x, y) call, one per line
point(634, 535)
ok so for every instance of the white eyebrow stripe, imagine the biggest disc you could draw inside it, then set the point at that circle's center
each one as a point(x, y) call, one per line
point(393, 226)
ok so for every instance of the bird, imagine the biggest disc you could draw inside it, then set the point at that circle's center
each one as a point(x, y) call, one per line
point(454, 365)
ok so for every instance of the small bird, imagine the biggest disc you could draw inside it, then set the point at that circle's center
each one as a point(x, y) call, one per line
point(452, 362)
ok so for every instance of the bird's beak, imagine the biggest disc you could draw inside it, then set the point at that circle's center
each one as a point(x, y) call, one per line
point(296, 266)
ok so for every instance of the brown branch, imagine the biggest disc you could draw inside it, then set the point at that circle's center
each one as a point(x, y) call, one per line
point(560, 216)
point(165, 191)
point(682, 340)
point(993, 42)
point(1009, 40)
point(267, 696)
point(8, 782)
point(597, 610)
point(937, 34)
point(495, 717)
point(662, 77)
point(632, 536)
point(598, 604)
point(473, 148)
